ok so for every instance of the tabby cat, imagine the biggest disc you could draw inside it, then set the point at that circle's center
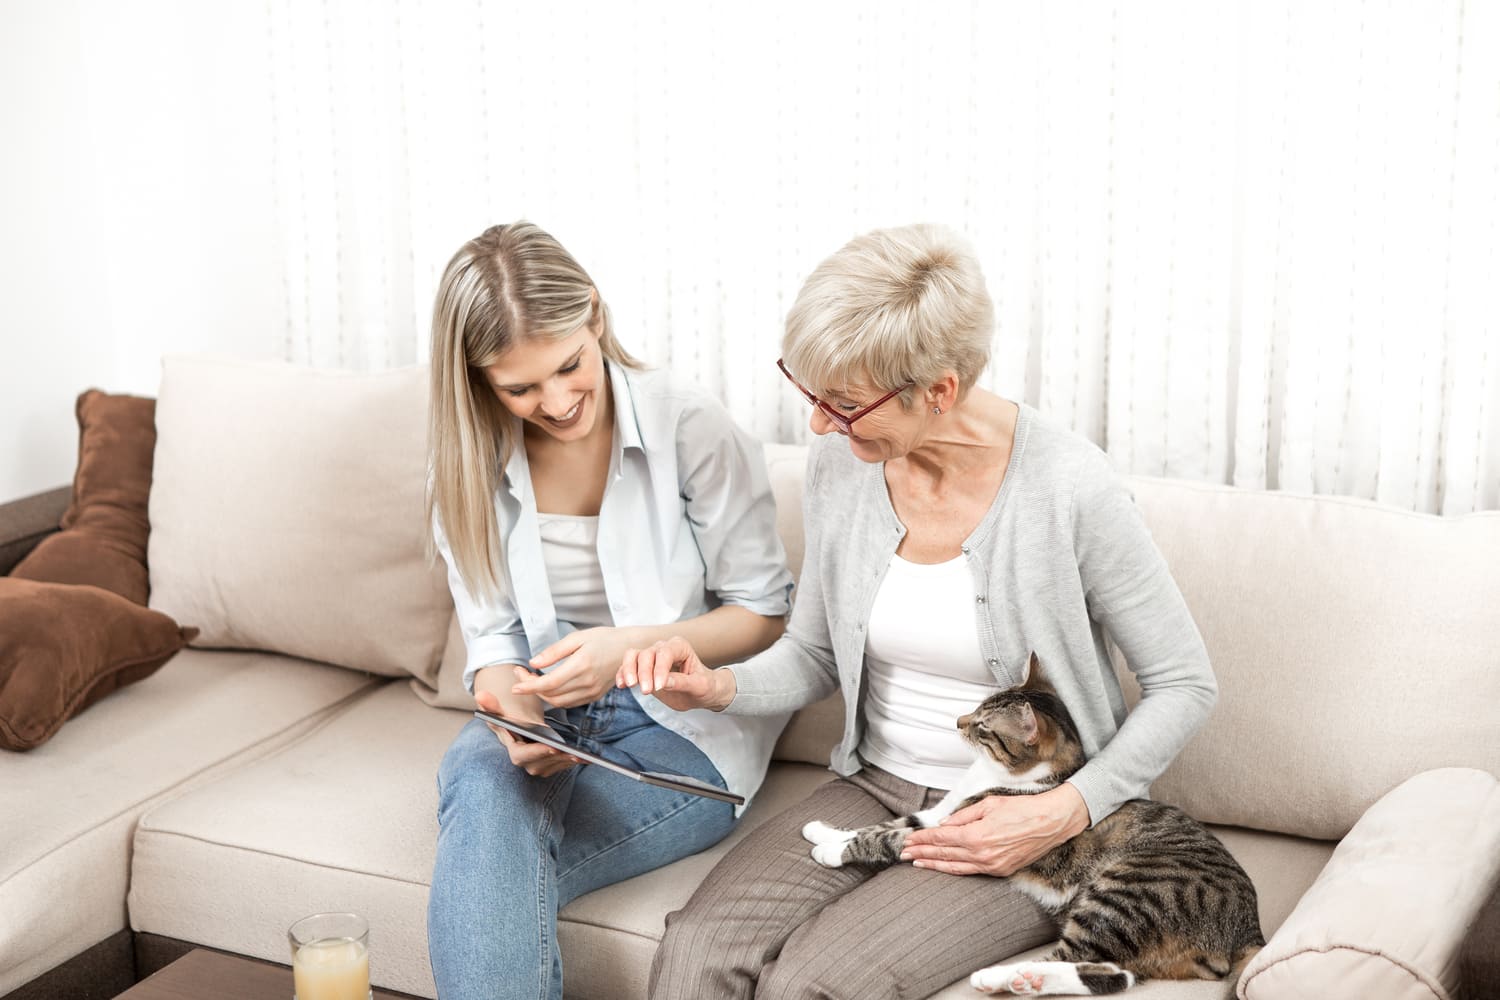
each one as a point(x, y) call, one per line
point(1146, 893)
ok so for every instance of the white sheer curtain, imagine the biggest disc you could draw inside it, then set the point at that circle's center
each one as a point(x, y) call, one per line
point(1251, 243)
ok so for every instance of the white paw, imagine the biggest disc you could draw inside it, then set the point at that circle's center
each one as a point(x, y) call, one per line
point(1030, 979)
point(818, 832)
point(1008, 979)
point(829, 855)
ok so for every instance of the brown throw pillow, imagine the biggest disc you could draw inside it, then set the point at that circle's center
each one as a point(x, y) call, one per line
point(103, 541)
point(63, 647)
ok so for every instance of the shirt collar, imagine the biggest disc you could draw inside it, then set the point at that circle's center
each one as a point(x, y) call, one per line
point(627, 430)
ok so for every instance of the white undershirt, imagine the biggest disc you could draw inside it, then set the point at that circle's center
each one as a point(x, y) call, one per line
point(570, 551)
point(923, 669)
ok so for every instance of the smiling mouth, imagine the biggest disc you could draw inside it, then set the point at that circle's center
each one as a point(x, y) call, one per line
point(567, 419)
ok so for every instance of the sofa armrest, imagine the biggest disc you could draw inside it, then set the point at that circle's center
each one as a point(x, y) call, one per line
point(1391, 911)
point(26, 521)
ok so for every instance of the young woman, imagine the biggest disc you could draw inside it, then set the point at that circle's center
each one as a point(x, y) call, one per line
point(584, 506)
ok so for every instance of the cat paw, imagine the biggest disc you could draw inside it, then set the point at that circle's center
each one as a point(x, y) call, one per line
point(1014, 979)
point(829, 855)
point(1052, 979)
point(818, 832)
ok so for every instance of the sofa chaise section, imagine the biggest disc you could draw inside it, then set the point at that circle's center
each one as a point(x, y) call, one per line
point(70, 806)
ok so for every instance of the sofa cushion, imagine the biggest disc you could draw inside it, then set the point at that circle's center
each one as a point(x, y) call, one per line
point(1389, 915)
point(234, 863)
point(64, 646)
point(785, 464)
point(287, 513)
point(104, 530)
point(230, 865)
point(1374, 627)
point(82, 792)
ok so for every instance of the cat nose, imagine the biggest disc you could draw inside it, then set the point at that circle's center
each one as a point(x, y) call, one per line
point(963, 721)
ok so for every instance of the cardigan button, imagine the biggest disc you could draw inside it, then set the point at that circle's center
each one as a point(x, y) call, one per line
point(979, 599)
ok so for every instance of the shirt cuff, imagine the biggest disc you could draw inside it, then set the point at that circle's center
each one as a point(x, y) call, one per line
point(489, 650)
point(776, 603)
point(1098, 792)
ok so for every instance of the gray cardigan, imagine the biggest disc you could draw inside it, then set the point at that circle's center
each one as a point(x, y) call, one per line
point(1061, 557)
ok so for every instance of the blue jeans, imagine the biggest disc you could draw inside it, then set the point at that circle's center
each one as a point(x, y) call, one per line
point(513, 849)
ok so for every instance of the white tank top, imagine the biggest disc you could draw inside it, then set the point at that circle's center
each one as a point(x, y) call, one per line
point(923, 669)
point(570, 551)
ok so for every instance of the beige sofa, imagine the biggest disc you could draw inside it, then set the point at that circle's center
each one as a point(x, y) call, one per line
point(236, 790)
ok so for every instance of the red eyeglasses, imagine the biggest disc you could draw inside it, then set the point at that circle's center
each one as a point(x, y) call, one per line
point(842, 421)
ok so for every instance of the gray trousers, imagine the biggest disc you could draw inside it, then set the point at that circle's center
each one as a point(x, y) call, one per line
point(770, 922)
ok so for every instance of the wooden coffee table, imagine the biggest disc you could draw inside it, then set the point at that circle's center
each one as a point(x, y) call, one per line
point(204, 973)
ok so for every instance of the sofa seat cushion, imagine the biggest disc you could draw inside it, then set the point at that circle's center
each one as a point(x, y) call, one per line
point(346, 818)
point(82, 792)
point(343, 819)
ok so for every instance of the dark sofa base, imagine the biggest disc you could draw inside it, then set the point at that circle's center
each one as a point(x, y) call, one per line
point(111, 967)
point(98, 973)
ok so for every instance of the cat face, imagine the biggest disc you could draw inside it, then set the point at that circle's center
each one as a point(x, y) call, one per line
point(1025, 726)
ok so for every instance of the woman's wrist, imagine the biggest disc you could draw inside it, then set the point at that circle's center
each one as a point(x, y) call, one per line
point(725, 688)
point(1078, 817)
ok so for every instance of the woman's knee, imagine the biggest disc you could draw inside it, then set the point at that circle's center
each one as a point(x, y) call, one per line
point(476, 773)
point(691, 961)
point(809, 968)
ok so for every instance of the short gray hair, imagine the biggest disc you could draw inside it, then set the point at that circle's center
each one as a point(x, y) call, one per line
point(892, 306)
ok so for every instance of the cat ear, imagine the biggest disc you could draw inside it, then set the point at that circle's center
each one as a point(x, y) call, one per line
point(1026, 725)
point(1035, 681)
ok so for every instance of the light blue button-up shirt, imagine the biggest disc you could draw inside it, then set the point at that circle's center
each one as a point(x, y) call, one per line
point(687, 523)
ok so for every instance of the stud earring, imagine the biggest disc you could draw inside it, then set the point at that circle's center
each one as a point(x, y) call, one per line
point(938, 410)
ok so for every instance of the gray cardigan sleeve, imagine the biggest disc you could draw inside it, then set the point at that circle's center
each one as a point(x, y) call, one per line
point(799, 668)
point(1131, 593)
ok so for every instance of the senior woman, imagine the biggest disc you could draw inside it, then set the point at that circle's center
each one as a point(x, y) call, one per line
point(950, 532)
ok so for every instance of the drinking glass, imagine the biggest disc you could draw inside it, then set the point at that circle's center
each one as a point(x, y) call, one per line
point(330, 957)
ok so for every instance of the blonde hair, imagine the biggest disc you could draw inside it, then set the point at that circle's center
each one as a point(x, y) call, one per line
point(510, 284)
point(892, 307)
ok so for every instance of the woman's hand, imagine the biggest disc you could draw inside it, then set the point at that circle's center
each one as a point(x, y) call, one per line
point(591, 658)
point(999, 834)
point(536, 760)
point(672, 671)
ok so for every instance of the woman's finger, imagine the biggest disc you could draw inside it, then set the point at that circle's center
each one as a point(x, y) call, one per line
point(665, 661)
point(565, 646)
point(625, 677)
point(948, 867)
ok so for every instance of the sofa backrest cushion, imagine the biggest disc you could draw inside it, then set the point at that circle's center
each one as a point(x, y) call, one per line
point(812, 732)
point(287, 513)
point(1355, 645)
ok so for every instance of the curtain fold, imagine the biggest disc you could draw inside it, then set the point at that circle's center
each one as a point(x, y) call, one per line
point(1251, 243)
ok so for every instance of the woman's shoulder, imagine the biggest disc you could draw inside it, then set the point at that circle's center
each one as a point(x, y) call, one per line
point(663, 393)
point(1061, 459)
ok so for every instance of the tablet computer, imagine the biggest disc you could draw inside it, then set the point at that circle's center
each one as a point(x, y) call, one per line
point(619, 762)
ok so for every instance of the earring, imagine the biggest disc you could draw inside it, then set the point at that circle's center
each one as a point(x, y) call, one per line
point(938, 410)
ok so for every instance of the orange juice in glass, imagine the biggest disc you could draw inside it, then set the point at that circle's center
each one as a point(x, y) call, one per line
point(330, 957)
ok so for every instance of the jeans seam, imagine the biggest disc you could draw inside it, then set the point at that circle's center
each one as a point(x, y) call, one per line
point(625, 840)
point(545, 952)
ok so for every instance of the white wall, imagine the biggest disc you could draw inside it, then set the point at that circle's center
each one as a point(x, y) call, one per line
point(136, 214)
